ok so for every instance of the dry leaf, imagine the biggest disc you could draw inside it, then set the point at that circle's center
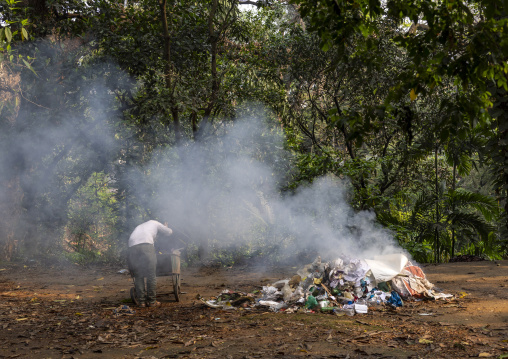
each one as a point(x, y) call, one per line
point(364, 323)
point(425, 341)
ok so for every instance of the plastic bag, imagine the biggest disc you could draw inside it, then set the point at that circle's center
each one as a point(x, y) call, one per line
point(395, 299)
point(311, 302)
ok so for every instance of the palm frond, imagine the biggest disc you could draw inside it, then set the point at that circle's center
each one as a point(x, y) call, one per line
point(464, 165)
point(462, 199)
point(422, 205)
point(471, 221)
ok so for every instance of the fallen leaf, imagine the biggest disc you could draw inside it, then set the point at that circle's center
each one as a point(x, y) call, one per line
point(101, 278)
point(425, 341)
point(485, 355)
point(20, 319)
point(462, 294)
point(362, 339)
point(364, 323)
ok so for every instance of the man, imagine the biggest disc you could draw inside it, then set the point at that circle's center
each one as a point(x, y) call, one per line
point(143, 261)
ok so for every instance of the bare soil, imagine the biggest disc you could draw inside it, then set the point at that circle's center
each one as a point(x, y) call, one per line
point(69, 312)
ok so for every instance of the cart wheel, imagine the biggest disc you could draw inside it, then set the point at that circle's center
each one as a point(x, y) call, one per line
point(176, 286)
point(134, 298)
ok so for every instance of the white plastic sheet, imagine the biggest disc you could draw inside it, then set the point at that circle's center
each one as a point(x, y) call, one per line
point(386, 267)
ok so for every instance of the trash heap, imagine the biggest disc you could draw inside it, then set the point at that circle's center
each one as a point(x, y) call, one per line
point(343, 286)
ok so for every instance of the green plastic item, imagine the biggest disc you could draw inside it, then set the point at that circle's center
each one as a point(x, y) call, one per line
point(327, 309)
point(311, 302)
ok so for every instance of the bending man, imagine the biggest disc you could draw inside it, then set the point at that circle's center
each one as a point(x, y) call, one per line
point(142, 260)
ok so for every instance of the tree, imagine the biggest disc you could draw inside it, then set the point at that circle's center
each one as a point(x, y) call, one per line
point(463, 213)
point(459, 40)
point(57, 140)
point(92, 218)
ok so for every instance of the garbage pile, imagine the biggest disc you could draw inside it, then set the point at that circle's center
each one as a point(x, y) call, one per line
point(343, 286)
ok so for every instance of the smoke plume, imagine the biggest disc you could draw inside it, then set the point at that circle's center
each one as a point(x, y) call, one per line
point(225, 190)
point(222, 190)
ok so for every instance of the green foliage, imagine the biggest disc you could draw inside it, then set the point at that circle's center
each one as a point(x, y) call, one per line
point(92, 217)
point(466, 213)
point(366, 91)
point(14, 28)
point(14, 31)
point(461, 43)
point(84, 257)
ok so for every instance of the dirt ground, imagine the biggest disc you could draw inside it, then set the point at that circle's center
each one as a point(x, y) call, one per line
point(69, 312)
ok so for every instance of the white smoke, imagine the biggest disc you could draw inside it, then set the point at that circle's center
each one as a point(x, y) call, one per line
point(225, 190)
point(62, 132)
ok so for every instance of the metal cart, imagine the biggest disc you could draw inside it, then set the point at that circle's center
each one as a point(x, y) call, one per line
point(167, 265)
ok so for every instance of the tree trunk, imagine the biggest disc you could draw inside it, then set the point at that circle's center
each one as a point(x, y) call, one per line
point(452, 253)
point(167, 71)
point(437, 258)
point(213, 37)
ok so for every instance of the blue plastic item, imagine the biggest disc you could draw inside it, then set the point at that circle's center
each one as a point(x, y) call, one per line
point(395, 299)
